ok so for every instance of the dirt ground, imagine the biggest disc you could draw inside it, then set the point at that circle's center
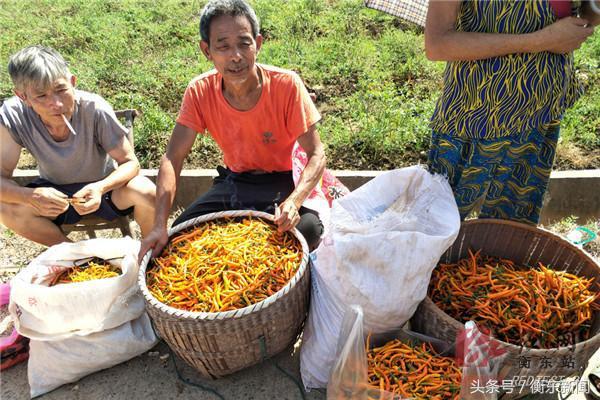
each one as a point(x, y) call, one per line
point(152, 376)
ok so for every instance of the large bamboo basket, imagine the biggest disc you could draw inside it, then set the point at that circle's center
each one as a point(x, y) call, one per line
point(218, 344)
point(525, 245)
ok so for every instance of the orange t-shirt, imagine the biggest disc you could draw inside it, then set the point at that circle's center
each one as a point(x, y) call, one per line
point(261, 138)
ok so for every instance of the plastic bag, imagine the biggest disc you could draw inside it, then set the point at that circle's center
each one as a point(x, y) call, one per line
point(325, 192)
point(55, 363)
point(9, 337)
point(349, 374)
point(14, 348)
point(383, 242)
point(481, 359)
point(58, 312)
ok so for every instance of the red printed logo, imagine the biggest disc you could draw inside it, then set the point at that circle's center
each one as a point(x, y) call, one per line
point(476, 347)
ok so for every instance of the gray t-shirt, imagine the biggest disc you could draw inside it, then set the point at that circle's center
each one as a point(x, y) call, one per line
point(82, 157)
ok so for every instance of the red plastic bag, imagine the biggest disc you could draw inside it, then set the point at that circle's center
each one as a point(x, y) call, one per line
point(14, 348)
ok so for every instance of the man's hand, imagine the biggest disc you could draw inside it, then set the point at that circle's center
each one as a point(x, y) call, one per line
point(87, 199)
point(156, 240)
point(287, 216)
point(49, 202)
point(565, 35)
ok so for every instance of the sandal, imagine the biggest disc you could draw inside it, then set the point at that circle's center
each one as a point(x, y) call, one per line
point(594, 380)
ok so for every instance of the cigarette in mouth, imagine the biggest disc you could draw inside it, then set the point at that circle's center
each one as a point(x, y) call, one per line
point(69, 125)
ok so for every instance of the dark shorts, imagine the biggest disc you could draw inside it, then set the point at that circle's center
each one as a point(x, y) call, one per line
point(246, 191)
point(107, 209)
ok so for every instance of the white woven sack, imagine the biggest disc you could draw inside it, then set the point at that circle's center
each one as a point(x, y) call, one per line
point(384, 240)
point(54, 363)
point(61, 311)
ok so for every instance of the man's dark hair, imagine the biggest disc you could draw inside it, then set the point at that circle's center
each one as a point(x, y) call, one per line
point(234, 8)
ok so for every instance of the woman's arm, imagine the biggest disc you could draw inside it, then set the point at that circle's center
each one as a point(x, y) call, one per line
point(444, 43)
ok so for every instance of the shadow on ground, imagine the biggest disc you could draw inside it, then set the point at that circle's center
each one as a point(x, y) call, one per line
point(152, 375)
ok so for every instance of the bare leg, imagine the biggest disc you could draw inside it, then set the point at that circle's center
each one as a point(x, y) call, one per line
point(25, 221)
point(140, 193)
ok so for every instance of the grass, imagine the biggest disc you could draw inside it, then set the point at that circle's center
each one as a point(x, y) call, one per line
point(374, 86)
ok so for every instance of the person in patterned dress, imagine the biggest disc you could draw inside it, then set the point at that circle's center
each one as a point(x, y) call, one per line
point(508, 81)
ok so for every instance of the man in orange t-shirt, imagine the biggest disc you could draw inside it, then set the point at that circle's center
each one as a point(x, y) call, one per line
point(255, 113)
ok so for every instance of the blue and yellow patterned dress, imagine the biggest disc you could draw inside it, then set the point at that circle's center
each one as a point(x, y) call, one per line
point(496, 124)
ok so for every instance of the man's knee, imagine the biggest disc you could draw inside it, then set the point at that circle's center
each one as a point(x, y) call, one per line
point(139, 191)
point(311, 227)
point(143, 186)
point(13, 212)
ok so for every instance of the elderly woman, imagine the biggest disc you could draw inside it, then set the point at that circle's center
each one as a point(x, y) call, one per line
point(86, 163)
point(508, 81)
point(255, 113)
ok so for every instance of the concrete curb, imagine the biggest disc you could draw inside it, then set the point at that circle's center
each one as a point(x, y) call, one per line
point(569, 192)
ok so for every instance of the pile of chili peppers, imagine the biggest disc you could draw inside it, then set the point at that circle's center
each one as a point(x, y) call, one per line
point(413, 372)
point(224, 264)
point(88, 272)
point(532, 307)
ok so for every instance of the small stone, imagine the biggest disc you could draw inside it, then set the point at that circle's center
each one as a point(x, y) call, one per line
point(164, 357)
point(153, 353)
point(76, 387)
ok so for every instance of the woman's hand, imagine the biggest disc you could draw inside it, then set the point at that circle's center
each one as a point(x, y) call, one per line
point(565, 35)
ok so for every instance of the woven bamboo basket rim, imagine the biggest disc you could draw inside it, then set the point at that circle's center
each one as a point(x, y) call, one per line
point(543, 232)
point(535, 229)
point(240, 312)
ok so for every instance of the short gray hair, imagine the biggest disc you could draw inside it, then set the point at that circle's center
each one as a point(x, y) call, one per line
point(234, 8)
point(38, 67)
